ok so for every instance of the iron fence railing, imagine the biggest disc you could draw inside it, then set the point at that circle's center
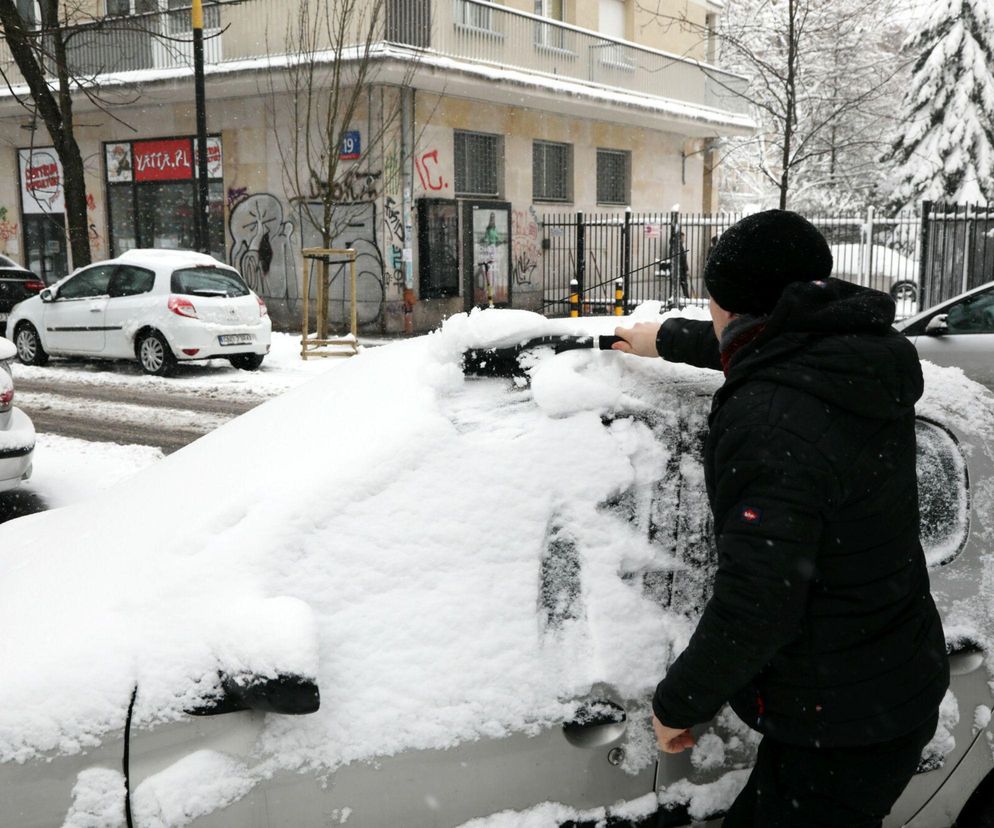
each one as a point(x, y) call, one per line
point(662, 255)
point(957, 249)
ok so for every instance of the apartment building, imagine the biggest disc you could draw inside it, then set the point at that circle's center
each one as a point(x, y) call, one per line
point(476, 120)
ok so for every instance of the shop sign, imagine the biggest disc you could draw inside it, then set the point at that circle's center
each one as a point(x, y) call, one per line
point(166, 160)
point(41, 181)
point(119, 163)
point(215, 167)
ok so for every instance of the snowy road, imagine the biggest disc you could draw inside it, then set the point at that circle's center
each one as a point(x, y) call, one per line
point(148, 417)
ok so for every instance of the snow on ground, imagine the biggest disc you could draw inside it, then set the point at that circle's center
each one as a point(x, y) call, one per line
point(282, 369)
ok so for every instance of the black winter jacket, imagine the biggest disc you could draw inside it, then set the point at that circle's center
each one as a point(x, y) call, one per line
point(821, 629)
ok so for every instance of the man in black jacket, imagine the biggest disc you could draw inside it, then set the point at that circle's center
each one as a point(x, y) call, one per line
point(821, 631)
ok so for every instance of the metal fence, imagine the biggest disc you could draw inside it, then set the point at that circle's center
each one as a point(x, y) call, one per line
point(662, 255)
point(957, 251)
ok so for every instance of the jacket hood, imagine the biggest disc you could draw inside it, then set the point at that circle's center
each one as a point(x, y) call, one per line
point(834, 340)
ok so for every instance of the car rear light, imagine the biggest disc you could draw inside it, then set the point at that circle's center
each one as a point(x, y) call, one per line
point(263, 310)
point(6, 400)
point(182, 307)
point(34, 285)
point(191, 351)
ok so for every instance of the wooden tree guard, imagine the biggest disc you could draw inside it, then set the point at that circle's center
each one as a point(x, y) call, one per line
point(318, 345)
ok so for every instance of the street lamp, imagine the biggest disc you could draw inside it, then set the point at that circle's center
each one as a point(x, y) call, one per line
point(203, 207)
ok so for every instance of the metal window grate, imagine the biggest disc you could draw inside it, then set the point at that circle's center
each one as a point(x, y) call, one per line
point(552, 171)
point(612, 176)
point(477, 163)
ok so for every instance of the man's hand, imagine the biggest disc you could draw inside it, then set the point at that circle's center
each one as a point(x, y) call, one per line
point(670, 739)
point(640, 339)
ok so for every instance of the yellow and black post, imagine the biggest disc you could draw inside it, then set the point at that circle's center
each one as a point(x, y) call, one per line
point(574, 298)
point(619, 297)
point(203, 208)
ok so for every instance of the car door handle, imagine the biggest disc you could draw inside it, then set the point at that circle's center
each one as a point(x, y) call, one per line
point(596, 723)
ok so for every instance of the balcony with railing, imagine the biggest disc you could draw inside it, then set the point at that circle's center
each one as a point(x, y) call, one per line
point(472, 33)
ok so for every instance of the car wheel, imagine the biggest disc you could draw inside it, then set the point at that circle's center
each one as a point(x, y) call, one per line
point(247, 362)
point(28, 343)
point(904, 292)
point(154, 354)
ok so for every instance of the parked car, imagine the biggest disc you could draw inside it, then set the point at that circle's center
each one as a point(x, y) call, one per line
point(443, 597)
point(159, 307)
point(17, 433)
point(886, 269)
point(16, 284)
point(958, 332)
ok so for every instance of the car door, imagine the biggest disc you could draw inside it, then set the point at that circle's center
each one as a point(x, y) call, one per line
point(129, 297)
point(74, 321)
point(967, 342)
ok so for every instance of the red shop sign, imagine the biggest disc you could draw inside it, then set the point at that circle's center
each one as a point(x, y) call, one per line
point(168, 160)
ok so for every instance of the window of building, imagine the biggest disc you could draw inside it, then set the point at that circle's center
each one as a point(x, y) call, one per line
point(549, 34)
point(438, 248)
point(475, 14)
point(613, 18)
point(613, 176)
point(478, 163)
point(119, 8)
point(552, 171)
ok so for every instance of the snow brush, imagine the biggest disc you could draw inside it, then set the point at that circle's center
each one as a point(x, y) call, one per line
point(503, 362)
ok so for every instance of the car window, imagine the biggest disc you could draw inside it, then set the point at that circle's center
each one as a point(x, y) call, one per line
point(975, 314)
point(90, 282)
point(208, 281)
point(943, 494)
point(130, 281)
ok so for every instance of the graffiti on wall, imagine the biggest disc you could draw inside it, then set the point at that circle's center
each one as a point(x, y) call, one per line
point(396, 238)
point(356, 225)
point(527, 245)
point(354, 187)
point(391, 173)
point(8, 229)
point(429, 171)
point(262, 246)
point(236, 194)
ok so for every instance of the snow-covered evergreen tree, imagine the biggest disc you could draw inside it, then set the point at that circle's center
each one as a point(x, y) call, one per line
point(945, 150)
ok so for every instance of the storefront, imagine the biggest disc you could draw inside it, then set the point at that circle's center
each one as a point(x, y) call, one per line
point(152, 194)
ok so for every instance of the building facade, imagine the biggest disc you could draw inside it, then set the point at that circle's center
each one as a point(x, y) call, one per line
point(475, 120)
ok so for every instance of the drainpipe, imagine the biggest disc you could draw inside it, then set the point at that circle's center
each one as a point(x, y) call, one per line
point(406, 160)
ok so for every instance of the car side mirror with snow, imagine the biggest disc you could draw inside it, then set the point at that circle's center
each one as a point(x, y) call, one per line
point(285, 694)
point(937, 325)
point(48, 295)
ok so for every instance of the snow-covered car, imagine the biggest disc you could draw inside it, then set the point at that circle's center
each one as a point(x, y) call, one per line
point(958, 332)
point(445, 598)
point(16, 284)
point(17, 433)
point(160, 307)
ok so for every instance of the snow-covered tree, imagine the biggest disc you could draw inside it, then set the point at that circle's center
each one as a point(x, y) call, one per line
point(945, 150)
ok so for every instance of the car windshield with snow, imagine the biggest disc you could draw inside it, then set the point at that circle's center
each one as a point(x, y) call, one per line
point(428, 598)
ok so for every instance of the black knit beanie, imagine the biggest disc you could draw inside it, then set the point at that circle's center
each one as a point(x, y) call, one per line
point(757, 257)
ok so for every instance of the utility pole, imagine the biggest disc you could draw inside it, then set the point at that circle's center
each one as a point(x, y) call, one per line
point(203, 208)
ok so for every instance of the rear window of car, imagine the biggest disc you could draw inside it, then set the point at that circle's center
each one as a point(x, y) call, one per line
point(208, 281)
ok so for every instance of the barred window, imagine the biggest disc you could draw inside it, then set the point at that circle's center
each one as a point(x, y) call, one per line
point(552, 171)
point(613, 176)
point(473, 14)
point(478, 164)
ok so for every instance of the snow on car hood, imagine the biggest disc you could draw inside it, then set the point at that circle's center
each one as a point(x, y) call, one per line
point(381, 529)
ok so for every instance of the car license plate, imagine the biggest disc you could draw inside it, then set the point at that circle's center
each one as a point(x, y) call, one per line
point(235, 339)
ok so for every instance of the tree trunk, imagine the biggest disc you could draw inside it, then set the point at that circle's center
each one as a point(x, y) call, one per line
point(791, 101)
point(28, 54)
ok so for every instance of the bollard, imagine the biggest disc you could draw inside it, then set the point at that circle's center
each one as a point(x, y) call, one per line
point(574, 299)
point(619, 297)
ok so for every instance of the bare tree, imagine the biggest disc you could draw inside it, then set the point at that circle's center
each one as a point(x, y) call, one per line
point(824, 79)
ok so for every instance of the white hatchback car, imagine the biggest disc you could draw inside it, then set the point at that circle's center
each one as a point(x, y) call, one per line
point(157, 306)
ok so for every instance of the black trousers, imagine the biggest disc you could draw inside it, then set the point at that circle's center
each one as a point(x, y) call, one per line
point(853, 787)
